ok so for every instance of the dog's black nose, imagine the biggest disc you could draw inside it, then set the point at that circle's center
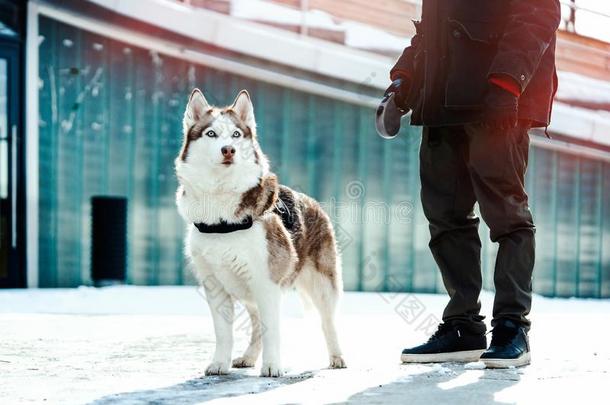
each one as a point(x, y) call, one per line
point(227, 151)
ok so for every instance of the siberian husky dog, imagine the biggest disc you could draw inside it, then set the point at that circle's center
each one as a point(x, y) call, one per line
point(249, 237)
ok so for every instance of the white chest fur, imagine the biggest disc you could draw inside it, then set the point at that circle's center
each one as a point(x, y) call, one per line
point(235, 259)
point(199, 207)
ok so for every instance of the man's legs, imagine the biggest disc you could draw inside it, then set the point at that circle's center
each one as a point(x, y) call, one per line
point(448, 200)
point(497, 162)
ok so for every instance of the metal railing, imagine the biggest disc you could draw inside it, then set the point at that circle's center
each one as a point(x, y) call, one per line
point(576, 7)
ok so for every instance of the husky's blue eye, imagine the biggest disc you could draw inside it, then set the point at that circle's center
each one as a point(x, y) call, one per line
point(211, 134)
point(236, 134)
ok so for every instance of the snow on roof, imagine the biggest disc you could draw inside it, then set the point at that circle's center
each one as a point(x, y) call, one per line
point(357, 35)
point(581, 123)
point(275, 13)
point(587, 124)
point(364, 36)
point(573, 86)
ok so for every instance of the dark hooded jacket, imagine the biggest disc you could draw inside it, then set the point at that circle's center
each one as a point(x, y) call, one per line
point(461, 43)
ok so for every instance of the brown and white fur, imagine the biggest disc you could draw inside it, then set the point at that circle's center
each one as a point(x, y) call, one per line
point(224, 175)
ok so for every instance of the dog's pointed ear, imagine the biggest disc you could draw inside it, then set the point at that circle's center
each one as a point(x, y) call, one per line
point(196, 107)
point(244, 108)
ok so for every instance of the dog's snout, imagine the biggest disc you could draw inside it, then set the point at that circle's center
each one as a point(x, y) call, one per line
point(227, 151)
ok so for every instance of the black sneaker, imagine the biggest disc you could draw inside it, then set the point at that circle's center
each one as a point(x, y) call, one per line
point(509, 347)
point(450, 343)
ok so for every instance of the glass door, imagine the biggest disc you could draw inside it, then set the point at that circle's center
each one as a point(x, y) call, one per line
point(11, 273)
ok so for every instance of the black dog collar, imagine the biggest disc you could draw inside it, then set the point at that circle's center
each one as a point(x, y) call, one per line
point(224, 227)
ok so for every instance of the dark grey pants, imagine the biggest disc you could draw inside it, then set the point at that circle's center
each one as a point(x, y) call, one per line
point(461, 165)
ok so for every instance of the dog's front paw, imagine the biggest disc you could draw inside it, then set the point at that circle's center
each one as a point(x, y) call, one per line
point(217, 368)
point(337, 362)
point(243, 362)
point(271, 370)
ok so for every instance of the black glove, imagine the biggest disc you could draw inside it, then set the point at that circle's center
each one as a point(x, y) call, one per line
point(500, 109)
point(400, 87)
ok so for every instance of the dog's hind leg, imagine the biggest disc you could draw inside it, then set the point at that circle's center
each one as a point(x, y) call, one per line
point(248, 359)
point(324, 292)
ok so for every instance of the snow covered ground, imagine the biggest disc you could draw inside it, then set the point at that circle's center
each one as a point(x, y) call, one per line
point(137, 345)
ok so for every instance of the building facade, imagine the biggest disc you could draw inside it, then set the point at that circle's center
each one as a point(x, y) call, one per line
point(105, 94)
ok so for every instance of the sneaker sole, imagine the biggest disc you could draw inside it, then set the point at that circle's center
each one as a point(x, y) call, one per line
point(520, 361)
point(466, 356)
